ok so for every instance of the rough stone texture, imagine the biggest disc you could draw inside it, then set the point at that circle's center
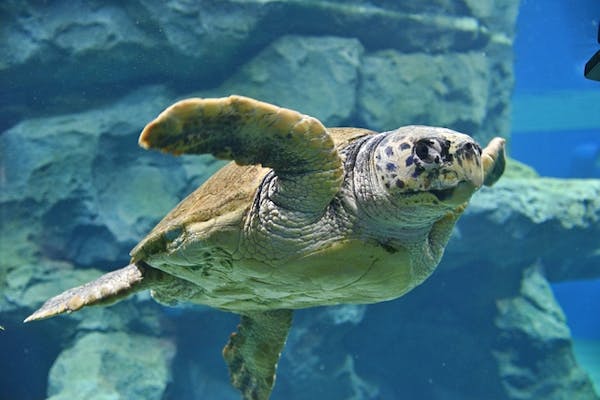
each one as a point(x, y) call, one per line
point(326, 71)
point(456, 90)
point(76, 193)
point(192, 47)
point(125, 366)
point(62, 196)
point(457, 98)
point(317, 365)
point(533, 327)
point(555, 222)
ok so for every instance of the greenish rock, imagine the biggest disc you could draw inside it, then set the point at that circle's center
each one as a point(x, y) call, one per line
point(27, 284)
point(497, 15)
point(201, 46)
point(532, 327)
point(325, 71)
point(587, 352)
point(518, 170)
point(531, 220)
point(63, 195)
point(315, 331)
point(570, 202)
point(534, 313)
point(112, 365)
point(402, 89)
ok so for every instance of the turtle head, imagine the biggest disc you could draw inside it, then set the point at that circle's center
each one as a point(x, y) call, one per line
point(435, 166)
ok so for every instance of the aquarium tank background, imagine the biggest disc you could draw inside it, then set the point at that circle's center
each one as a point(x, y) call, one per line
point(510, 313)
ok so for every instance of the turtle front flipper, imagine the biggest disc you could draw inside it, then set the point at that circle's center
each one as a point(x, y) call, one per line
point(296, 146)
point(253, 351)
point(493, 159)
point(107, 289)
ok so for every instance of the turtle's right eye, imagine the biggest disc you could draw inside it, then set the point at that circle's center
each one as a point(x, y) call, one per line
point(422, 151)
point(428, 151)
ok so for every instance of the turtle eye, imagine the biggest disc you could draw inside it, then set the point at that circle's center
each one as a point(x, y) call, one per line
point(428, 151)
point(422, 150)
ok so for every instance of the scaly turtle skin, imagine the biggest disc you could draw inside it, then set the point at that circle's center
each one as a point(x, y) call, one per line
point(306, 216)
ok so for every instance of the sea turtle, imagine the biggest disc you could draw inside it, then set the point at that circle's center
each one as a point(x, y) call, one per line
point(305, 216)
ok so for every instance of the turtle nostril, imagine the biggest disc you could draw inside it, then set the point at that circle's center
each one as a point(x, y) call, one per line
point(471, 148)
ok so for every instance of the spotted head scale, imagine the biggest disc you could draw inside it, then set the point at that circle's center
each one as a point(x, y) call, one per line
point(420, 159)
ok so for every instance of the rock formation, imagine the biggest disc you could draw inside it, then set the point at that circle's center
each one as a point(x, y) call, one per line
point(80, 80)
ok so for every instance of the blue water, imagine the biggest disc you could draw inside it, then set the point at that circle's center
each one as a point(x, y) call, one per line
point(554, 41)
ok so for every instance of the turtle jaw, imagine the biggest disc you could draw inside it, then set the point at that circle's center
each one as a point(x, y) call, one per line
point(457, 195)
point(444, 199)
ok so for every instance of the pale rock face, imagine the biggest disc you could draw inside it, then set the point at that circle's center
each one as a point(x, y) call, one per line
point(122, 364)
point(80, 81)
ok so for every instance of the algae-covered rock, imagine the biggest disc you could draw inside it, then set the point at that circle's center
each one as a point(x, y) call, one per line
point(443, 90)
point(532, 327)
point(112, 365)
point(194, 47)
point(553, 221)
point(325, 71)
point(66, 197)
point(516, 169)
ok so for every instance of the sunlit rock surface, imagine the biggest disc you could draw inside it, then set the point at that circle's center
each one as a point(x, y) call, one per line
point(124, 366)
point(554, 222)
point(77, 56)
point(80, 80)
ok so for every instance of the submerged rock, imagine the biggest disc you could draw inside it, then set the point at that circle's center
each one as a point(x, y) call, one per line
point(555, 222)
point(457, 97)
point(124, 366)
point(67, 198)
point(75, 191)
point(534, 349)
point(326, 71)
point(98, 51)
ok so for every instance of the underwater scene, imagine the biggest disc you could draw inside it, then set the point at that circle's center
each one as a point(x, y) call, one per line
point(395, 258)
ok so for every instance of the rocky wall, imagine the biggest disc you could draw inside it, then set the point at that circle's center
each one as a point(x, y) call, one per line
point(80, 79)
point(73, 56)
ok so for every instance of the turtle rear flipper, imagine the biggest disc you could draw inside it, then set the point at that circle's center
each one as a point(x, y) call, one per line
point(107, 289)
point(253, 351)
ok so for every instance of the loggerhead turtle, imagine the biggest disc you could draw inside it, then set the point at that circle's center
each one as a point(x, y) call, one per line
point(305, 216)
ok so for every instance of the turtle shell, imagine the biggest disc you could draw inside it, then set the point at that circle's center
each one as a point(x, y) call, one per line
point(217, 208)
